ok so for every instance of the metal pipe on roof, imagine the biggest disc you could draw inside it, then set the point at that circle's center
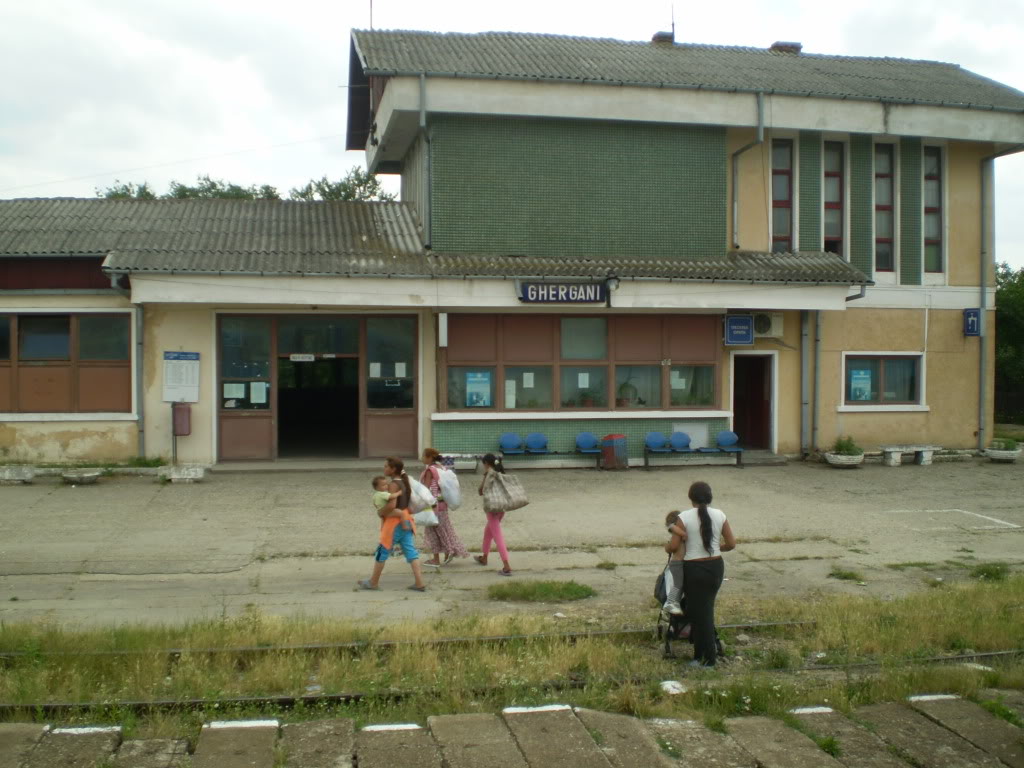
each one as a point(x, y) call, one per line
point(736, 172)
point(428, 206)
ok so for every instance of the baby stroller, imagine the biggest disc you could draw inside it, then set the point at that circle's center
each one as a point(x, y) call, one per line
point(677, 626)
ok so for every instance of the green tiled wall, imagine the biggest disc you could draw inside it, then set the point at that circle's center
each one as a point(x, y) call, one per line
point(482, 436)
point(862, 179)
point(577, 187)
point(810, 191)
point(910, 211)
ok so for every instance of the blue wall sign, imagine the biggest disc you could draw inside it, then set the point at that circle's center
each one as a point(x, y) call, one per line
point(739, 330)
point(972, 322)
point(181, 355)
point(562, 293)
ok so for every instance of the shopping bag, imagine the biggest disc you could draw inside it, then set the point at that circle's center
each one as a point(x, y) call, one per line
point(426, 518)
point(448, 482)
point(504, 493)
point(421, 497)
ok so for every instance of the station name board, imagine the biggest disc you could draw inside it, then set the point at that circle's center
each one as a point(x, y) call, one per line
point(562, 293)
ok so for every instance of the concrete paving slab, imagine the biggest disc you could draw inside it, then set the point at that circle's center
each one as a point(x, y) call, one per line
point(152, 753)
point(411, 747)
point(74, 748)
point(239, 744)
point(929, 744)
point(554, 739)
point(624, 740)
point(475, 741)
point(775, 745)
point(319, 743)
point(697, 746)
point(17, 740)
point(1009, 698)
point(860, 748)
point(983, 729)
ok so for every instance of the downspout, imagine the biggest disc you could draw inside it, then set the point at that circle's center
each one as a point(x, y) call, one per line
point(805, 384)
point(736, 172)
point(139, 402)
point(987, 254)
point(428, 205)
point(817, 379)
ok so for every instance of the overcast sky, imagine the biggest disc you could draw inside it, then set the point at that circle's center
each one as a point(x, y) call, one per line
point(251, 92)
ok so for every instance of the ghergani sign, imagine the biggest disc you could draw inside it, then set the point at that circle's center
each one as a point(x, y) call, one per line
point(562, 293)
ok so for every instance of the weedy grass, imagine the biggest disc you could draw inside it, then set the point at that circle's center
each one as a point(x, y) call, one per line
point(540, 591)
point(844, 575)
point(990, 571)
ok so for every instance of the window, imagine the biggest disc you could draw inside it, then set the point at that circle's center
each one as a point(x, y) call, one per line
point(782, 195)
point(584, 338)
point(888, 379)
point(390, 351)
point(65, 363)
point(470, 387)
point(932, 209)
point(584, 386)
point(691, 385)
point(528, 387)
point(638, 386)
point(884, 211)
point(833, 184)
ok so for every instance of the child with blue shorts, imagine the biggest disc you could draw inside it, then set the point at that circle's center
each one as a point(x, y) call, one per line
point(391, 499)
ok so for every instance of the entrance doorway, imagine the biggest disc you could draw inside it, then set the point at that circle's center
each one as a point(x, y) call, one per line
point(752, 400)
point(318, 408)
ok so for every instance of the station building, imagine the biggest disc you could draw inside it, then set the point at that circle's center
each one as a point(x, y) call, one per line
point(594, 235)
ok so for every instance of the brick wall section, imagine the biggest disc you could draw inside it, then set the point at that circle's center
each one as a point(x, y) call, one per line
point(482, 436)
point(862, 179)
point(910, 211)
point(577, 188)
point(809, 191)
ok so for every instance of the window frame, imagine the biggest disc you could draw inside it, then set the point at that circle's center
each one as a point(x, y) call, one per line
point(938, 210)
point(835, 205)
point(890, 208)
point(787, 204)
point(860, 406)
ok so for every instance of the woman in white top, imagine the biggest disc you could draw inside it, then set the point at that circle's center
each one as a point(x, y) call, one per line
point(706, 534)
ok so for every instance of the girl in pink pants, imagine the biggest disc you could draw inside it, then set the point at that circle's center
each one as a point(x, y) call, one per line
point(492, 530)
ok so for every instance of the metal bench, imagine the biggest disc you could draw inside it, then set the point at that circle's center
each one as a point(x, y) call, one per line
point(892, 455)
point(449, 459)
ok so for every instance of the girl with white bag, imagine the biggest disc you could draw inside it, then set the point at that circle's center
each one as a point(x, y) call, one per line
point(501, 493)
point(441, 538)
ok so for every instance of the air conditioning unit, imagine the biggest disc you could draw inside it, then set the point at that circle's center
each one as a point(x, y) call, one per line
point(768, 325)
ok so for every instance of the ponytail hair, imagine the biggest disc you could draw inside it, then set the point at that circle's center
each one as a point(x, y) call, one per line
point(399, 467)
point(492, 461)
point(432, 455)
point(700, 495)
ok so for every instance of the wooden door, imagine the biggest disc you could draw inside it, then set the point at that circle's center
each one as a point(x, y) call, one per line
point(752, 400)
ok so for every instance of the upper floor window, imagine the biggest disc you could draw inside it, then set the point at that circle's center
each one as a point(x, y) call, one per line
point(782, 195)
point(933, 209)
point(833, 195)
point(884, 212)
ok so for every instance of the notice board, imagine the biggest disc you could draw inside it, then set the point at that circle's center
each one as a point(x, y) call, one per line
point(181, 377)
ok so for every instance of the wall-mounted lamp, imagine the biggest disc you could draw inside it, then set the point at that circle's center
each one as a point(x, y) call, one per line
point(611, 283)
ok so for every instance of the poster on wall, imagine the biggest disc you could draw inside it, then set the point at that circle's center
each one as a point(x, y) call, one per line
point(860, 385)
point(181, 377)
point(478, 389)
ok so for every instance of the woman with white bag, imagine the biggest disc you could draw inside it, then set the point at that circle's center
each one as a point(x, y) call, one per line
point(496, 503)
point(398, 529)
point(440, 538)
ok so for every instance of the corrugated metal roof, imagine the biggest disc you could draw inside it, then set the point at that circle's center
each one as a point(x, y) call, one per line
point(524, 56)
point(350, 238)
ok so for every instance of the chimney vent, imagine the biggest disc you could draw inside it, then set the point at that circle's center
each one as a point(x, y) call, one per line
point(664, 37)
point(783, 46)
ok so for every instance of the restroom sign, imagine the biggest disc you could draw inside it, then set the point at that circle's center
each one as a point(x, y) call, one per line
point(972, 322)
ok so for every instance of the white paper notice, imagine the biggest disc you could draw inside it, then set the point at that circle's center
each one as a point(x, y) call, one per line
point(583, 380)
point(234, 390)
point(676, 381)
point(399, 370)
point(528, 380)
point(258, 392)
point(510, 393)
point(374, 370)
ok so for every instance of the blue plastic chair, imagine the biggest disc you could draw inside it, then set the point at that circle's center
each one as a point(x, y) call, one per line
point(680, 442)
point(537, 442)
point(728, 442)
point(655, 442)
point(588, 444)
point(511, 444)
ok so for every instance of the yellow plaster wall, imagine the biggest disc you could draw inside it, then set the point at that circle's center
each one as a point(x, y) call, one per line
point(963, 168)
point(58, 441)
point(754, 176)
point(951, 377)
point(428, 376)
point(68, 302)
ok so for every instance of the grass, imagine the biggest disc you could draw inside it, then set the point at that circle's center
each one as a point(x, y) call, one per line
point(540, 591)
point(990, 571)
point(607, 565)
point(844, 575)
point(911, 564)
point(1000, 710)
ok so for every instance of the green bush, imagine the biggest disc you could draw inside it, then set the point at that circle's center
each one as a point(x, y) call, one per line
point(846, 447)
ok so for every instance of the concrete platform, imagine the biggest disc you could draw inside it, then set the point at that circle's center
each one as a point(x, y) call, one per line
point(152, 753)
point(860, 748)
point(413, 747)
point(74, 748)
point(982, 729)
point(17, 740)
point(241, 744)
point(554, 739)
point(476, 741)
point(775, 745)
point(624, 740)
point(700, 746)
point(319, 743)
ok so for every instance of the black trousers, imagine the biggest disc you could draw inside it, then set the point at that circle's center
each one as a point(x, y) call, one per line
point(703, 579)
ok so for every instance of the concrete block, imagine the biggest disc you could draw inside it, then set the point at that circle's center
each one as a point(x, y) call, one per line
point(928, 743)
point(983, 729)
point(1011, 699)
point(397, 745)
point(183, 473)
point(16, 474)
point(775, 745)
point(152, 753)
point(699, 745)
point(860, 747)
point(553, 739)
point(319, 744)
point(17, 740)
point(236, 744)
point(475, 741)
point(74, 747)
point(625, 741)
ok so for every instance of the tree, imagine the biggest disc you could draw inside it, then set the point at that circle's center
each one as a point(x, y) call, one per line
point(357, 184)
point(1010, 342)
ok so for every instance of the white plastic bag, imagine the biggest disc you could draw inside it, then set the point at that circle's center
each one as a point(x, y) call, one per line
point(451, 493)
point(426, 518)
point(421, 497)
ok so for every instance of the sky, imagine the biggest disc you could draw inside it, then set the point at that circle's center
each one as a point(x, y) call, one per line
point(253, 92)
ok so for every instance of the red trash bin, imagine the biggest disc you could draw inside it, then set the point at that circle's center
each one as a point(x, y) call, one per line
point(613, 452)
